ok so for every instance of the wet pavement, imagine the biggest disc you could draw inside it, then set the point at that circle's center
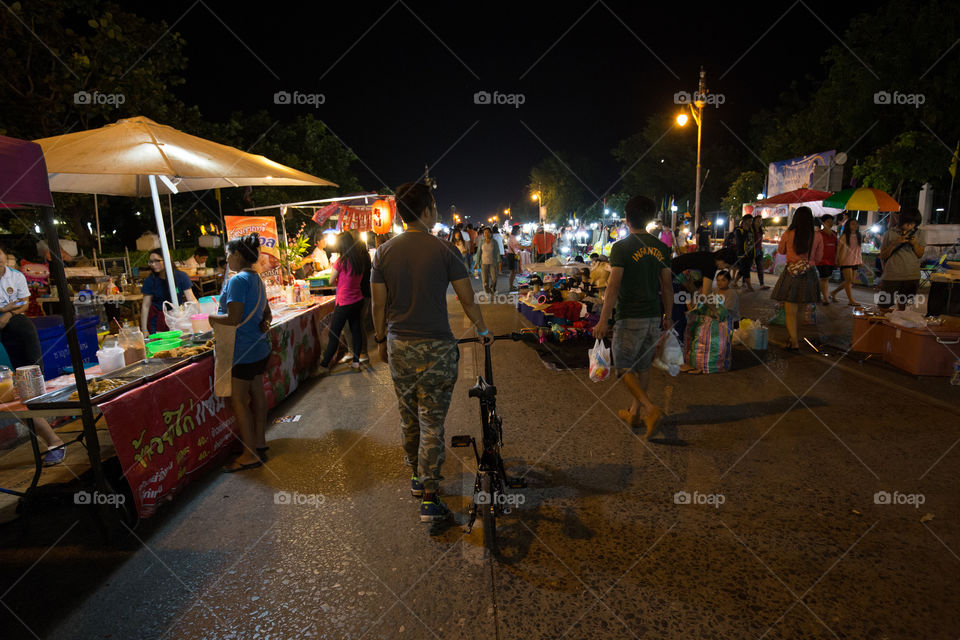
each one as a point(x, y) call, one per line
point(753, 515)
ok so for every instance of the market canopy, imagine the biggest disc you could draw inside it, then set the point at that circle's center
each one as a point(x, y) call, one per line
point(23, 174)
point(796, 196)
point(126, 158)
point(116, 160)
point(863, 199)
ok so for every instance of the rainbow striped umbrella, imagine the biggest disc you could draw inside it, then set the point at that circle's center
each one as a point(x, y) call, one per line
point(862, 199)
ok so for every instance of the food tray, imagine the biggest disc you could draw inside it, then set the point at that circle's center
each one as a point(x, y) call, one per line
point(135, 375)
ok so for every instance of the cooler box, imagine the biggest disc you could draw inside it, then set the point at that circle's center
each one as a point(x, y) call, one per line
point(921, 352)
point(867, 334)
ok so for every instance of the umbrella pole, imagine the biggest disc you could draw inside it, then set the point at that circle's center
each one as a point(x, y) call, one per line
point(173, 238)
point(167, 262)
point(91, 441)
point(96, 213)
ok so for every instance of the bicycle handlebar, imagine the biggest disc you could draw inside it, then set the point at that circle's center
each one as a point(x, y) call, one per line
point(512, 336)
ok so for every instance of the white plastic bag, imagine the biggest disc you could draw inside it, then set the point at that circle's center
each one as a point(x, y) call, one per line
point(599, 361)
point(670, 354)
point(178, 318)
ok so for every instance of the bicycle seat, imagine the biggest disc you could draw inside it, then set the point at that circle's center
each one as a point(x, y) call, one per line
point(482, 390)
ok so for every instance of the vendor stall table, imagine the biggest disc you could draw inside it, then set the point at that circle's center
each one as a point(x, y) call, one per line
point(208, 285)
point(180, 428)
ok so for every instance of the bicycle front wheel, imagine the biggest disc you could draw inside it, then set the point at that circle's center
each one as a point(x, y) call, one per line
point(488, 513)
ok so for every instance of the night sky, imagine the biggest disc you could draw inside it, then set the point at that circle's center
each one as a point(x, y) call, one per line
point(399, 78)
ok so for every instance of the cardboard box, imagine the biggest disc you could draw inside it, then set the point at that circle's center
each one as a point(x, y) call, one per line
point(921, 352)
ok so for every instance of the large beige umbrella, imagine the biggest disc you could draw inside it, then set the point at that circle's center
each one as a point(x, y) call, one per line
point(126, 158)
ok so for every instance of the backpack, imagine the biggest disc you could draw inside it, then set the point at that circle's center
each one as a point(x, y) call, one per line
point(730, 240)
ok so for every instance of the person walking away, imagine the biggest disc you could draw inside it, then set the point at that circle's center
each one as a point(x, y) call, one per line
point(743, 235)
point(488, 258)
point(498, 238)
point(155, 292)
point(828, 261)
point(900, 251)
point(798, 284)
point(22, 342)
point(639, 265)
point(849, 257)
point(513, 255)
point(410, 276)
point(543, 242)
point(243, 305)
point(348, 274)
point(758, 249)
point(471, 245)
point(703, 237)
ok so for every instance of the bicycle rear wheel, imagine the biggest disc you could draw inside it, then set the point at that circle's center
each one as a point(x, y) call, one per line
point(488, 513)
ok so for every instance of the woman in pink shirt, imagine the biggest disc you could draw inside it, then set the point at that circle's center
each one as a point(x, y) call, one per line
point(849, 258)
point(351, 274)
point(798, 284)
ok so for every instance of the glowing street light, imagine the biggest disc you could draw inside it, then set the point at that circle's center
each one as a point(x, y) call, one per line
point(682, 119)
point(696, 112)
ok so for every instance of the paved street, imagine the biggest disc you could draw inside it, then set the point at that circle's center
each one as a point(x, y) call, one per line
point(782, 539)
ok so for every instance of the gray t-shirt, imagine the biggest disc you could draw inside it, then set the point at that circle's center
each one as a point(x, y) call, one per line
point(903, 264)
point(417, 268)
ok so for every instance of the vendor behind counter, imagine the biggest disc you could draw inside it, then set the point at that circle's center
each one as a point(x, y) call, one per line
point(155, 292)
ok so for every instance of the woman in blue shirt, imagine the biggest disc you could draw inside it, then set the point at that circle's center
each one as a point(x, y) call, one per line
point(155, 291)
point(243, 305)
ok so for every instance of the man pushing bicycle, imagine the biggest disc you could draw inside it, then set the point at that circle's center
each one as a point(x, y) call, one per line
point(409, 280)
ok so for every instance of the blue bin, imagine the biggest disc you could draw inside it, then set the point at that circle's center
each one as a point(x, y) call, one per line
point(53, 345)
point(53, 342)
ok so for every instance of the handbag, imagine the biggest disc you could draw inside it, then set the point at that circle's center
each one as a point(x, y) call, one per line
point(224, 340)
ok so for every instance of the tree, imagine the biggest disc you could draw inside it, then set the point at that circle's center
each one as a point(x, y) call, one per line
point(891, 75)
point(559, 181)
point(743, 190)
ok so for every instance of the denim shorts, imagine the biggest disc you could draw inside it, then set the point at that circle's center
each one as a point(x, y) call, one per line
point(634, 343)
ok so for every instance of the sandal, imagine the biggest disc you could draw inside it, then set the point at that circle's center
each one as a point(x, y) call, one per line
point(262, 453)
point(233, 468)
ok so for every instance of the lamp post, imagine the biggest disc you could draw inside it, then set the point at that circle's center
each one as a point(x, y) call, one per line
point(696, 110)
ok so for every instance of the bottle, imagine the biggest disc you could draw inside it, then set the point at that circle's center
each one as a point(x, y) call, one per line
point(6, 385)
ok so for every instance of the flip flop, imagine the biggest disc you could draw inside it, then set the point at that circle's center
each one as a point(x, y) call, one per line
point(242, 467)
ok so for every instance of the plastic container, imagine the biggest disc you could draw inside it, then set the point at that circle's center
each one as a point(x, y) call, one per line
point(133, 345)
point(867, 334)
point(6, 385)
point(209, 305)
point(200, 323)
point(161, 345)
point(165, 335)
point(111, 359)
point(922, 352)
point(53, 344)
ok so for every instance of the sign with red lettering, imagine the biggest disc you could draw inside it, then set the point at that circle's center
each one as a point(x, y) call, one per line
point(168, 429)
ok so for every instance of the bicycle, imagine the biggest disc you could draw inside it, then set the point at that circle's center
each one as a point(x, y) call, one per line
point(488, 489)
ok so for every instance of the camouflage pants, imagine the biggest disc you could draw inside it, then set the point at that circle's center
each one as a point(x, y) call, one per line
point(424, 373)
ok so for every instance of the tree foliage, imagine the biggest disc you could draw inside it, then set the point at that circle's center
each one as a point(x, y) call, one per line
point(743, 190)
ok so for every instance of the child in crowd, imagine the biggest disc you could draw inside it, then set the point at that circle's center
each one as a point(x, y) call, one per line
point(730, 298)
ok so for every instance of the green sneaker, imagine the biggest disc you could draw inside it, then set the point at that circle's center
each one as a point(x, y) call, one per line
point(434, 511)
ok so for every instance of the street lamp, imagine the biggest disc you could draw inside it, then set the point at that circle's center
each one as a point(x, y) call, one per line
point(696, 110)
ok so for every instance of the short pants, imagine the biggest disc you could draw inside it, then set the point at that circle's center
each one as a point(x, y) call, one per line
point(634, 343)
point(250, 370)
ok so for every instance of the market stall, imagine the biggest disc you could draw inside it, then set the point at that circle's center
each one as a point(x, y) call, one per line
point(182, 429)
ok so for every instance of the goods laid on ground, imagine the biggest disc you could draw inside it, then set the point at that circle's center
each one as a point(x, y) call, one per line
point(708, 340)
